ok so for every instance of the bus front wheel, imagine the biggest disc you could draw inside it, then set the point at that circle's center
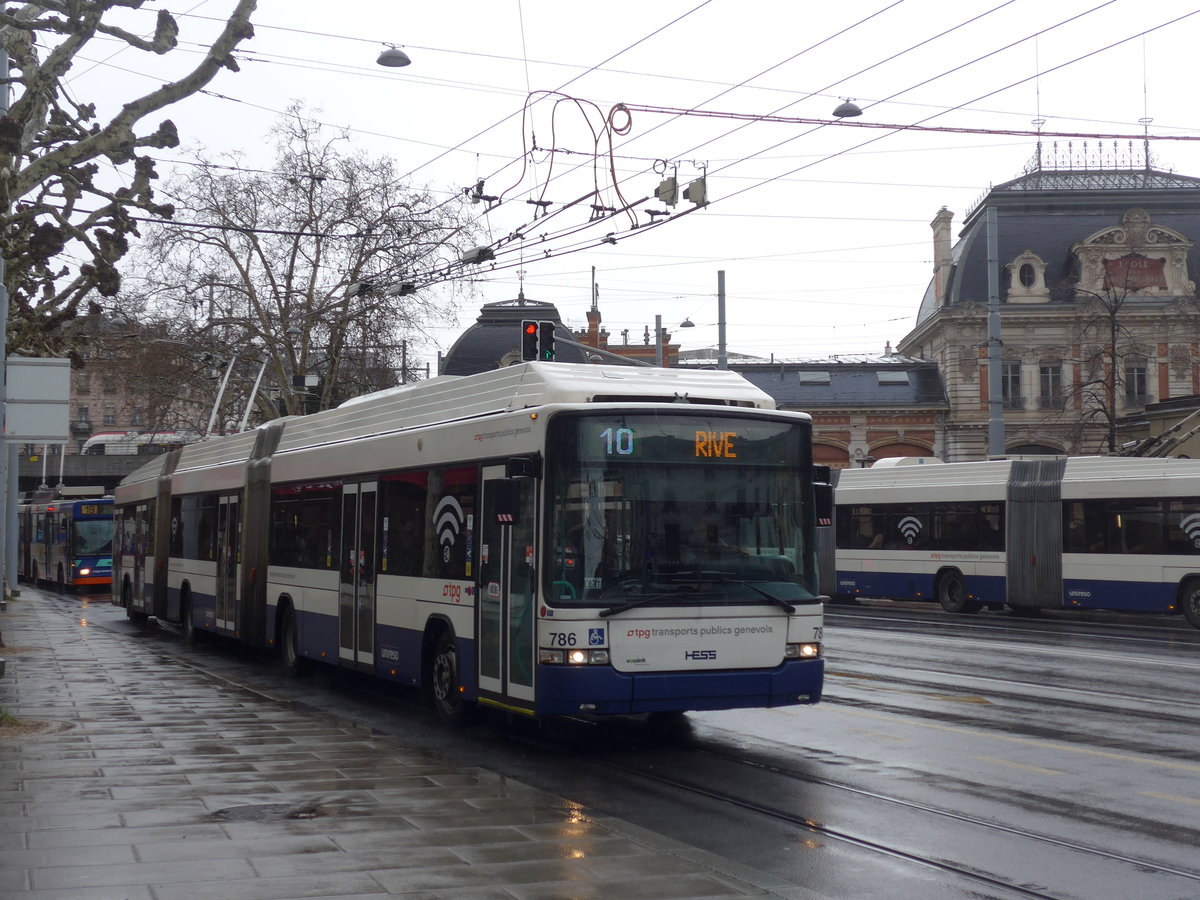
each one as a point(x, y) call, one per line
point(1190, 601)
point(445, 683)
point(952, 594)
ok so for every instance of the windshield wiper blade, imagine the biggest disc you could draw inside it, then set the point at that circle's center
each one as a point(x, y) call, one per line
point(631, 604)
point(778, 601)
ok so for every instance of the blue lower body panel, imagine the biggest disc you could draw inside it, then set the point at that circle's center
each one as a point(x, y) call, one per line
point(987, 589)
point(1131, 596)
point(601, 690)
point(317, 637)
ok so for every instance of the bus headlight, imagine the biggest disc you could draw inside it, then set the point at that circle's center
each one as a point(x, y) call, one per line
point(802, 651)
point(85, 571)
point(580, 657)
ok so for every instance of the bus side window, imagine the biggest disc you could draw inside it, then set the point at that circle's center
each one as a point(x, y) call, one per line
point(1178, 538)
point(1075, 533)
point(403, 515)
point(991, 536)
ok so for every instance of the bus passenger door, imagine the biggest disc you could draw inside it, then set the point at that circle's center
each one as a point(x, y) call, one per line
point(228, 550)
point(356, 591)
point(506, 597)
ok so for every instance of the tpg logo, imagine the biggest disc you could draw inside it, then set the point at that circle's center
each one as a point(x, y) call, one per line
point(699, 654)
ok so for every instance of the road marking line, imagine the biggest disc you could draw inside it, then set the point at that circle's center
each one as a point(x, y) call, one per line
point(1017, 765)
point(1161, 796)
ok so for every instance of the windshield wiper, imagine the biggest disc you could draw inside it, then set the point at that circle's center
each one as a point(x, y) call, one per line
point(631, 604)
point(712, 577)
point(778, 601)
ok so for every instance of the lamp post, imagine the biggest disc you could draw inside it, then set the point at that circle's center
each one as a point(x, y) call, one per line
point(722, 355)
point(8, 451)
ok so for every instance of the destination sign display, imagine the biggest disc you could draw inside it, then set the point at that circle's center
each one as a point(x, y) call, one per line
point(715, 440)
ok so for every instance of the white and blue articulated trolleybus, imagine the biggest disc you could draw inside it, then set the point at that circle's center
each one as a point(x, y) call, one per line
point(545, 538)
point(1098, 533)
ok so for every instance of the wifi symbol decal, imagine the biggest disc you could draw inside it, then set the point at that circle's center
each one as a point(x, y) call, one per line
point(910, 527)
point(1191, 527)
point(448, 523)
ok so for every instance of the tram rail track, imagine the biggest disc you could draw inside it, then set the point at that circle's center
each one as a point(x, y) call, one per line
point(947, 679)
point(956, 816)
point(833, 833)
point(844, 835)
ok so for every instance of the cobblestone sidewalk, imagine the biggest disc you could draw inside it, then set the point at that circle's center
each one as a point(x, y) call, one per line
point(158, 782)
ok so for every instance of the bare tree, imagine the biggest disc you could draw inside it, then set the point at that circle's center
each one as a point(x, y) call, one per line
point(307, 266)
point(1114, 353)
point(51, 148)
point(1104, 341)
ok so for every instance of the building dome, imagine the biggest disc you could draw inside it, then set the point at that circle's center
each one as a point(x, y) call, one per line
point(494, 341)
point(1045, 221)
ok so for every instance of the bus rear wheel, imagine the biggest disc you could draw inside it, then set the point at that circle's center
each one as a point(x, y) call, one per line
point(1190, 602)
point(190, 634)
point(289, 644)
point(137, 618)
point(446, 685)
point(952, 594)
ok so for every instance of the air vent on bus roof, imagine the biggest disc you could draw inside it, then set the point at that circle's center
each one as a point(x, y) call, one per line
point(642, 398)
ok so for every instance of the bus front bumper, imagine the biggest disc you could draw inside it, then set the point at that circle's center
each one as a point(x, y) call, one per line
point(602, 690)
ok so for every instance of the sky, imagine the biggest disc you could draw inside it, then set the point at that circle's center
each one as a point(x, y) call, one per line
point(820, 226)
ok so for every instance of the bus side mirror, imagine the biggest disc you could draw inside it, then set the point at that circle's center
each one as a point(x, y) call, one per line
point(506, 500)
point(823, 494)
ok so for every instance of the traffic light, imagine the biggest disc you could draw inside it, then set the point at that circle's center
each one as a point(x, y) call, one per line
point(545, 341)
point(529, 340)
point(537, 340)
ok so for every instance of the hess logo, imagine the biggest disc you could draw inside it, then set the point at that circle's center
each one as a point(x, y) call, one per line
point(699, 654)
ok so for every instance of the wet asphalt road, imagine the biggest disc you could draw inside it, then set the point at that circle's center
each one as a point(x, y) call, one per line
point(954, 756)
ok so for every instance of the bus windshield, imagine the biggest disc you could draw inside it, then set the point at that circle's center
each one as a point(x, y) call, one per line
point(93, 537)
point(687, 508)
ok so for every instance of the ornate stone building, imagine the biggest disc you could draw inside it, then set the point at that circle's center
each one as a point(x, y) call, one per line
point(1096, 284)
point(864, 408)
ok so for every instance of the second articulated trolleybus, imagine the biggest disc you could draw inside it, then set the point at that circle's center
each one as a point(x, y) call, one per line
point(1119, 533)
point(546, 538)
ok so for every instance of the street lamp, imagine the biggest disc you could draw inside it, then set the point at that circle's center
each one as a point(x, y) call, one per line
point(393, 57)
point(848, 109)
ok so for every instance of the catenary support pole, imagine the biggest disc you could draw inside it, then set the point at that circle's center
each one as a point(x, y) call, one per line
point(995, 346)
point(8, 452)
point(722, 355)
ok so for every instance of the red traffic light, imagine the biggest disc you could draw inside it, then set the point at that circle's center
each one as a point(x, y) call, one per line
point(531, 327)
